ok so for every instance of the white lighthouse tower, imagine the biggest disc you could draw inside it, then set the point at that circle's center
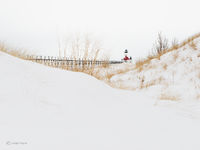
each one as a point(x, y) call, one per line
point(126, 58)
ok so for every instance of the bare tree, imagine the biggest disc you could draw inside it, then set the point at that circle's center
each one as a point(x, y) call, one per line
point(161, 44)
point(175, 43)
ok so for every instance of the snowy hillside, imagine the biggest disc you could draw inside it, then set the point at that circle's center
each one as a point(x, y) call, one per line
point(175, 76)
point(45, 108)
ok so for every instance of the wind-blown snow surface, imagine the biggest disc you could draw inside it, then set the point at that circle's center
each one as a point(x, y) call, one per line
point(52, 109)
point(176, 74)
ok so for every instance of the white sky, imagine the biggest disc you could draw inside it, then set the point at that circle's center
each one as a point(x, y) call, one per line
point(120, 24)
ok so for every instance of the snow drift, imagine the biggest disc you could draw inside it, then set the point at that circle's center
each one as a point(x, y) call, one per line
point(173, 76)
point(46, 108)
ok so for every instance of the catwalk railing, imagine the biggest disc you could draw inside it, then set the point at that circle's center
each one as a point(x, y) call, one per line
point(70, 63)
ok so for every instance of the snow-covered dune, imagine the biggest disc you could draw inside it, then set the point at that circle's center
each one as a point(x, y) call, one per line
point(175, 76)
point(46, 108)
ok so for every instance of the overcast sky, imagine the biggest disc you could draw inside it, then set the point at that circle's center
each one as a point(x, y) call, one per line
point(120, 24)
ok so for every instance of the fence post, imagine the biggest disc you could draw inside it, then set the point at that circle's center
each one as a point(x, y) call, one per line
point(79, 63)
point(72, 64)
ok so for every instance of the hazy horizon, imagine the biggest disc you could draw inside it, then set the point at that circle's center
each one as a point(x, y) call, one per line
point(36, 24)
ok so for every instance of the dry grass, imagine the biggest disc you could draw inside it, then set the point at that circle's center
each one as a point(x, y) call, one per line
point(120, 85)
point(14, 52)
point(152, 66)
point(83, 47)
point(140, 63)
point(175, 56)
point(107, 73)
point(193, 45)
point(78, 47)
point(87, 48)
point(167, 96)
point(175, 44)
point(165, 66)
point(150, 83)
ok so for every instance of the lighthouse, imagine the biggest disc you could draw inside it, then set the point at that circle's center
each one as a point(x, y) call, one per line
point(126, 58)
